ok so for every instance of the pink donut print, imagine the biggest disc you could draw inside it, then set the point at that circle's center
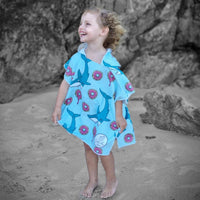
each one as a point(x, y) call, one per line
point(129, 87)
point(113, 125)
point(111, 77)
point(128, 138)
point(84, 130)
point(98, 150)
point(68, 101)
point(92, 93)
point(85, 107)
point(94, 131)
point(97, 75)
point(78, 95)
point(69, 72)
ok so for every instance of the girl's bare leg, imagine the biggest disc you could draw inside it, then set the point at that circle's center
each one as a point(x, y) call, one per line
point(111, 181)
point(92, 165)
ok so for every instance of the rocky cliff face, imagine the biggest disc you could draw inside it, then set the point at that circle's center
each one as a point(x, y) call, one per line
point(161, 45)
point(33, 38)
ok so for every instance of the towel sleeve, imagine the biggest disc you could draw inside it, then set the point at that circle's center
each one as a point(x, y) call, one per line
point(123, 87)
point(71, 69)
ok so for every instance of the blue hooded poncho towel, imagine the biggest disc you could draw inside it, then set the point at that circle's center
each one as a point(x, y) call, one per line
point(88, 111)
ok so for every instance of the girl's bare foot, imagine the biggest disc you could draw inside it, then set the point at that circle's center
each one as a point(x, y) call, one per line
point(89, 189)
point(109, 189)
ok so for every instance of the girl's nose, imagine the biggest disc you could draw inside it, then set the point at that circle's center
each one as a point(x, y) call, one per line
point(81, 25)
point(80, 28)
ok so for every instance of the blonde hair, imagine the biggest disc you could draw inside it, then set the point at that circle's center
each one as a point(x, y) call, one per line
point(109, 19)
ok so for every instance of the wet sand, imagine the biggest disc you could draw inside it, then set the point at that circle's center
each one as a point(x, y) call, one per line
point(40, 161)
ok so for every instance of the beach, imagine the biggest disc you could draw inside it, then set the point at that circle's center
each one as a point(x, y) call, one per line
point(41, 161)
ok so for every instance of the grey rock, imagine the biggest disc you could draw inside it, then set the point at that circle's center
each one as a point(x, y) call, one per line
point(38, 37)
point(188, 33)
point(171, 111)
point(165, 68)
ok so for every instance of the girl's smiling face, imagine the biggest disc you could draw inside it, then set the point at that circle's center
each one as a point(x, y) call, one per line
point(89, 29)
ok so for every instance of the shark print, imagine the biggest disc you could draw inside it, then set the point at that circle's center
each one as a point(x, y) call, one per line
point(88, 111)
point(101, 115)
point(115, 69)
point(82, 78)
point(72, 127)
point(127, 115)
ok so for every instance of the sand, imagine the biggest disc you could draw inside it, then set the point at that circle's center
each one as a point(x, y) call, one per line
point(40, 161)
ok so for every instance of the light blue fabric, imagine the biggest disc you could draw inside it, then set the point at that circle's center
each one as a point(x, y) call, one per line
point(88, 111)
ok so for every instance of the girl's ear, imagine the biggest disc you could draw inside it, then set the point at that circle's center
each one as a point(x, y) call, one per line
point(105, 31)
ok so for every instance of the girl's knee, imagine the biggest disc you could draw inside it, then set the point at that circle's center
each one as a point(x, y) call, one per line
point(108, 157)
point(87, 147)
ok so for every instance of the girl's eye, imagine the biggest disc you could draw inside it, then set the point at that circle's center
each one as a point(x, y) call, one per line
point(88, 24)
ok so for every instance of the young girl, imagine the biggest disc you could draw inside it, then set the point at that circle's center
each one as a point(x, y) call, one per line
point(92, 98)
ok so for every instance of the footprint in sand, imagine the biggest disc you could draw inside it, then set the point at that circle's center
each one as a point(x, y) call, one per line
point(37, 111)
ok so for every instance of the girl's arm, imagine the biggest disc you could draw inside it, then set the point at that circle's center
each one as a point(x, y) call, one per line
point(62, 92)
point(121, 122)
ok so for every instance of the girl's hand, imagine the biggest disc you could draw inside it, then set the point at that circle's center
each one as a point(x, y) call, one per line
point(121, 123)
point(56, 115)
point(62, 92)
